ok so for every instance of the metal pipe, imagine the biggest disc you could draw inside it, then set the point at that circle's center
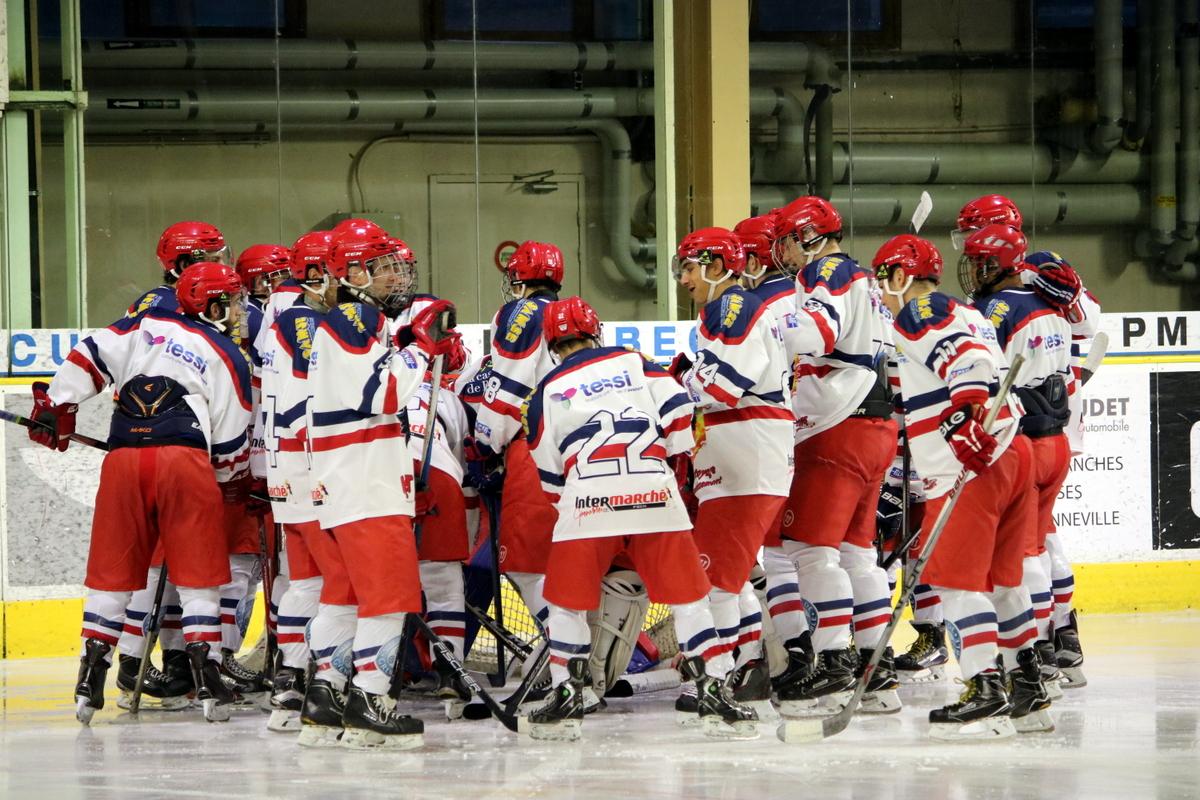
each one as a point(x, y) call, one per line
point(784, 161)
point(905, 162)
point(889, 206)
point(1188, 219)
point(1110, 107)
point(1145, 76)
point(1166, 119)
point(824, 146)
point(349, 54)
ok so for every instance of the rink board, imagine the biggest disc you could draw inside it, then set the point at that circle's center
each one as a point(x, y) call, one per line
point(1129, 513)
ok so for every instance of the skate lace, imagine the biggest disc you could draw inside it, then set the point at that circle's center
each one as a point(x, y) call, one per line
point(238, 671)
point(969, 691)
point(923, 646)
point(385, 707)
point(155, 675)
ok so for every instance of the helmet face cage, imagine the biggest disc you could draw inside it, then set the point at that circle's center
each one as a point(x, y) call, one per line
point(978, 274)
point(393, 280)
point(184, 260)
point(232, 319)
point(958, 236)
point(701, 257)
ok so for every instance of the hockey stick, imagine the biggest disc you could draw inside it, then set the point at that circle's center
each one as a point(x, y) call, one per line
point(644, 682)
point(268, 579)
point(500, 676)
point(150, 629)
point(811, 730)
point(510, 640)
point(508, 720)
point(513, 702)
point(1095, 356)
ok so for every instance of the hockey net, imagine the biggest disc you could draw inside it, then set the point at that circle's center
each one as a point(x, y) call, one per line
point(482, 658)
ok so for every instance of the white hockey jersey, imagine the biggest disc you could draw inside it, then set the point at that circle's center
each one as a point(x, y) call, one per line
point(1083, 331)
point(946, 356)
point(841, 334)
point(520, 359)
point(450, 433)
point(284, 415)
point(739, 382)
point(157, 342)
point(358, 383)
point(600, 427)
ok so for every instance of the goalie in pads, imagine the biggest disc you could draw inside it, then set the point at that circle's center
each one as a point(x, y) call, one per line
point(601, 427)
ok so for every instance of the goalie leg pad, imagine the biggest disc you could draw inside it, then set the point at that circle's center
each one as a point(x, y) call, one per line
point(615, 626)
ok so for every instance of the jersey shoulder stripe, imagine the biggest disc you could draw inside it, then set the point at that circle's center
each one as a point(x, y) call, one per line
point(928, 312)
point(236, 361)
point(295, 329)
point(355, 326)
point(519, 327)
point(730, 318)
point(773, 288)
point(835, 272)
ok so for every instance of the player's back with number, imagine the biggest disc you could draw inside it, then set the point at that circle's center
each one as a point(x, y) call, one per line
point(601, 426)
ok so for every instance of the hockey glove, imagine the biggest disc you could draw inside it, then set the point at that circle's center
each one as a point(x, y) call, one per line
point(56, 423)
point(680, 364)
point(485, 469)
point(1056, 282)
point(972, 445)
point(429, 332)
point(425, 506)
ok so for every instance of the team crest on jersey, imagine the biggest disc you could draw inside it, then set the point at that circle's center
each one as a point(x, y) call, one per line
point(955, 638)
point(996, 311)
point(924, 307)
point(828, 267)
point(304, 336)
point(351, 313)
point(731, 307)
point(810, 614)
point(519, 321)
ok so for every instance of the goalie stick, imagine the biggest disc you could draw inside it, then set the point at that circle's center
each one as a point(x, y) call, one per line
point(811, 730)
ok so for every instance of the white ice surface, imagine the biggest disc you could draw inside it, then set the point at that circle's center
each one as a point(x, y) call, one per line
point(1133, 732)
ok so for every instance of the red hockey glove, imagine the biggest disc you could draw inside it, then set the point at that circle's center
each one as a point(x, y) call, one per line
point(430, 333)
point(56, 423)
point(972, 445)
point(680, 364)
point(1057, 283)
point(426, 506)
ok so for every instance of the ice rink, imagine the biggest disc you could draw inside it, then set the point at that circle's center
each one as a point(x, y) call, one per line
point(1133, 732)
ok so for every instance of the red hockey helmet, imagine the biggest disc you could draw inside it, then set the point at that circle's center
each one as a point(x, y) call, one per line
point(919, 259)
point(535, 261)
point(756, 235)
point(204, 282)
point(189, 243)
point(568, 319)
point(311, 249)
point(262, 260)
point(990, 255)
point(991, 209)
point(356, 224)
point(380, 255)
point(703, 245)
point(809, 222)
point(402, 250)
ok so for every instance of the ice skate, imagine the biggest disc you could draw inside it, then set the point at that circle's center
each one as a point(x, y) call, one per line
point(1030, 702)
point(216, 698)
point(89, 687)
point(799, 664)
point(880, 696)
point(687, 706)
point(720, 715)
point(287, 700)
point(561, 718)
point(160, 692)
point(751, 686)
point(825, 690)
point(981, 713)
point(371, 722)
point(250, 688)
point(925, 661)
point(1069, 654)
point(321, 716)
point(453, 693)
point(178, 668)
point(1051, 675)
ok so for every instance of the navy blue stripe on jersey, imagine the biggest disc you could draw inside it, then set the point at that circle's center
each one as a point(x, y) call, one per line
point(515, 388)
point(354, 326)
point(836, 272)
point(820, 306)
point(768, 397)
point(731, 316)
point(378, 370)
point(225, 448)
point(774, 287)
point(584, 432)
point(933, 310)
point(552, 479)
point(728, 372)
point(854, 359)
point(323, 418)
point(927, 399)
point(946, 349)
point(124, 325)
point(1009, 310)
point(254, 319)
point(94, 352)
point(519, 327)
point(673, 403)
point(581, 358)
point(289, 415)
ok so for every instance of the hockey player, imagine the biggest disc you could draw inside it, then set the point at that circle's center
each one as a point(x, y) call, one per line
point(183, 408)
point(601, 427)
point(262, 268)
point(991, 274)
point(783, 609)
point(845, 441)
point(181, 244)
point(520, 358)
point(739, 382)
point(359, 379)
point(310, 551)
point(948, 366)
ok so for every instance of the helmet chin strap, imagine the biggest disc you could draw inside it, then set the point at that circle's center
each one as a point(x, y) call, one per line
point(319, 291)
point(360, 291)
point(898, 293)
point(219, 324)
point(713, 284)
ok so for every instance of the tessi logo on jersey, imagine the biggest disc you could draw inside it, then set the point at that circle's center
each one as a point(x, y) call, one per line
point(177, 351)
point(594, 388)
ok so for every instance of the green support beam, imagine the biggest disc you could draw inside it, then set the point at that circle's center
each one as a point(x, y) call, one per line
point(15, 265)
point(664, 155)
point(74, 229)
